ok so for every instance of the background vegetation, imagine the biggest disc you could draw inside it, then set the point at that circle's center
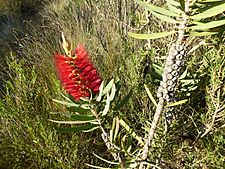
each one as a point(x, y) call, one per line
point(29, 35)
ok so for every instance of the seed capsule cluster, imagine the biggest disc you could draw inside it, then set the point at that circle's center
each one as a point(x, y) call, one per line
point(175, 61)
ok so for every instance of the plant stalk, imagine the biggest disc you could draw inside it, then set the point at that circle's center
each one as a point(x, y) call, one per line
point(160, 106)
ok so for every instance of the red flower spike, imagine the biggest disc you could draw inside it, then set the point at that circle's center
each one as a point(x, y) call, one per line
point(78, 76)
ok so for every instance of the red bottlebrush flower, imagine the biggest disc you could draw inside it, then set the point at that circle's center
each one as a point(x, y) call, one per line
point(77, 74)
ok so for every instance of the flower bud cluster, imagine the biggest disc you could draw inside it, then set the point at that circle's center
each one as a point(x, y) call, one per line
point(174, 63)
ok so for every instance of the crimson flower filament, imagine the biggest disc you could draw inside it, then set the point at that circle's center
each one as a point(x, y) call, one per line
point(77, 74)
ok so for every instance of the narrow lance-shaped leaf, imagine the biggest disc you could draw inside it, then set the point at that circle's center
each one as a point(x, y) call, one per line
point(79, 117)
point(98, 167)
point(131, 132)
point(126, 145)
point(124, 101)
point(210, 12)
point(82, 117)
point(154, 8)
point(150, 95)
point(71, 104)
point(113, 92)
point(91, 129)
point(175, 9)
point(177, 103)
point(106, 109)
point(209, 1)
point(108, 87)
point(100, 92)
point(117, 128)
point(66, 45)
point(164, 18)
point(76, 129)
point(113, 124)
point(150, 36)
point(123, 145)
point(78, 109)
point(172, 2)
point(208, 25)
point(193, 33)
point(182, 4)
point(72, 122)
point(107, 161)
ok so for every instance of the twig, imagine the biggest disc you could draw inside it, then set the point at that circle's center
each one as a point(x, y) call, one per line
point(108, 143)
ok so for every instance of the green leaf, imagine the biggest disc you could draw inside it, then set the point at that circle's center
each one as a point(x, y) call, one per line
point(78, 109)
point(72, 122)
point(182, 4)
point(183, 75)
point(193, 33)
point(117, 128)
point(79, 117)
point(76, 129)
point(209, 1)
point(124, 101)
point(213, 11)
point(82, 117)
point(131, 132)
point(93, 166)
point(92, 129)
point(150, 95)
point(157, 9)
point(113, 123)
point(174, 8)
point(157, 71)
point(113, 92)
point(106, 109)
point(150, 36)
point(108, 87)
point(208, 25)
point(100, 92)
point(68, 99)
point(177, 103)
point(61, 113)
point(66, 103)
point(126, 145)
point(164, 18)
point(107, 161)
point(71, 104)
point(172, 2)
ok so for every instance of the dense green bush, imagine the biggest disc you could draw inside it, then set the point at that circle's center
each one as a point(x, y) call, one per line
point(28, 139)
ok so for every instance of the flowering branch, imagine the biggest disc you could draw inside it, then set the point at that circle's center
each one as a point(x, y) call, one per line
point(165, 92)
